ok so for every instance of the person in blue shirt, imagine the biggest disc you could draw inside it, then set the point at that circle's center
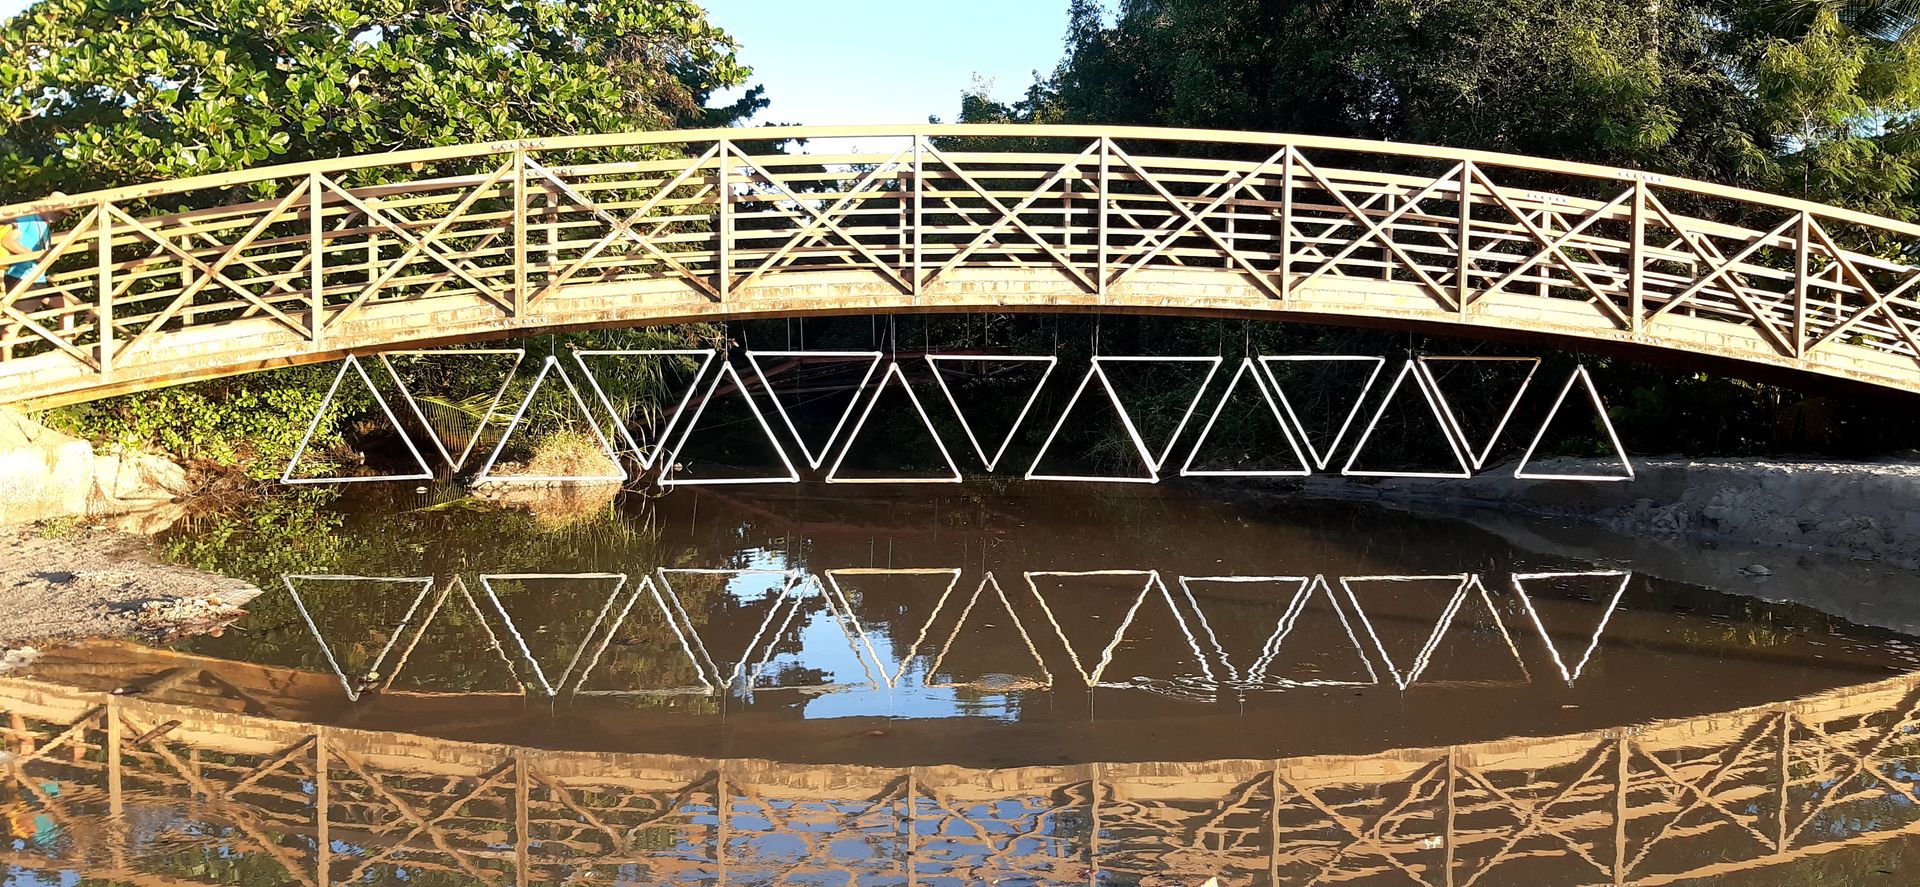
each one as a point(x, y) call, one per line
point(25, 235)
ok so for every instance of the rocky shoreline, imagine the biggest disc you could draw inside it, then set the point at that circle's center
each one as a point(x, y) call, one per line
point(66, 582)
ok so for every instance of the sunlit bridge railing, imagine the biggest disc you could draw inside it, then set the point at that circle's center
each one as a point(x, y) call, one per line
point(131, 789)
point(154, 284)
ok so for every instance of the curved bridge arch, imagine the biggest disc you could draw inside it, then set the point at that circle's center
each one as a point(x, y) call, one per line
point(153, 285)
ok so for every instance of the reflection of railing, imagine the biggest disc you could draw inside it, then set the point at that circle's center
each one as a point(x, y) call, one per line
point(736, 658)
point(309, 261)
point(145, 792)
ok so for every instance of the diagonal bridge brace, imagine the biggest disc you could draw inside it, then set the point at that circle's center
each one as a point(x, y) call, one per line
point(1197, 219)
point(1377, 231)
point(623, 228)
point(1012, 217)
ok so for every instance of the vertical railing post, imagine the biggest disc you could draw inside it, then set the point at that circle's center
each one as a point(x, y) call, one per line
point(913, 806)
point(1273, 823)
point(1636, 272)
point(519, 232)
point(1463, 245)
point(1800, 243)
point(723, 806)
point(316, 259)
point(723, 226)
point(1386, 235)
point(522, 796)
point(1093, 843)
point(1106, 168)
point(1786, 745)
point(103, 307)
point(1453, 805)
point(115, 730)
point(919, 208)
point(1286, 224)
point(322, 803)
point(1620, 777)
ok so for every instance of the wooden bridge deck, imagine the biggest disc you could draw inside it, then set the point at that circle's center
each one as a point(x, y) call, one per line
point(199, 278)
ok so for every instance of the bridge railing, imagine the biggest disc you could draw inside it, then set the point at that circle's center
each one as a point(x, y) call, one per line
point(133, 275)
point(150, 791)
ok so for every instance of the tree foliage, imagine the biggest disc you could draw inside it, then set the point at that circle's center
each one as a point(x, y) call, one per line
point(1805, 97)
point(110, 92)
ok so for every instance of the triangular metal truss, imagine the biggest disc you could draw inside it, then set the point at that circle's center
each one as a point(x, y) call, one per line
point(665, 451)
point(894, 374)
point(306, 439)
point(1571, 672)
point(493, 404)
point(1440, 418)
point(1580, 377)
point(552, 367)
point(645, 453)
point(814, 459)
point(934, 362)
point(672, 458)
point(1246, 371)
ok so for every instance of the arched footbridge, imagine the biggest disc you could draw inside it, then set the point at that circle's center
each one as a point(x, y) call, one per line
point(197, 278)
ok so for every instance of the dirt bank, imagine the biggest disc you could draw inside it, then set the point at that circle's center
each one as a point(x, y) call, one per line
point(58, 583)
point(1868, 511)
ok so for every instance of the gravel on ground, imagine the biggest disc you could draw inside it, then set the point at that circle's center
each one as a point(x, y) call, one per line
point(63, 582)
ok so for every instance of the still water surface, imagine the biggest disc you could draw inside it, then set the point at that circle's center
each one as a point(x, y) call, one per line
point(816, 687)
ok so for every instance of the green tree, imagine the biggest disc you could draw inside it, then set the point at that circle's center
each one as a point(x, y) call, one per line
point(111, 92)
point(115, 92)
point(1814, 98)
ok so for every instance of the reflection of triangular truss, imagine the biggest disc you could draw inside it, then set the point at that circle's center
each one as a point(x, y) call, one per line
point(1405, 677)
point(555, 685)
point(1439, 417)
point(645, 590)
point(1477, 456)
point(672, 457)
point(1606, 424)
point(1092, 676)
point(960, 623)
point(1321, 457)
point(1246, 371)
point(743, 670)
point(1571, 674)
point(552, 365)
point(841, 618)
point(493, 404)
point(1255, 673)
point(455, 591)
point(934, 360)
point(326, 649)
point(353, 363)
point(814, 459)
point(894, 374)
point(645, 454)
point(892, 673)
point(1126, 421)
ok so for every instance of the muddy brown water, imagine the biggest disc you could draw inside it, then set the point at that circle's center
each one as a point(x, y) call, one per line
point(892, 686)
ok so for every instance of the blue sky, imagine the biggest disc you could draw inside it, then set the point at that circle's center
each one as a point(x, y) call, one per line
point(828, 62)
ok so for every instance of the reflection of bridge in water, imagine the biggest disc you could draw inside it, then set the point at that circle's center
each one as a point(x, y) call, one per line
point(132, 789)
point(934, 614)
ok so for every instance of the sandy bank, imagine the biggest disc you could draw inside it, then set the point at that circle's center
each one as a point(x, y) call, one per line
point(86, 582)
